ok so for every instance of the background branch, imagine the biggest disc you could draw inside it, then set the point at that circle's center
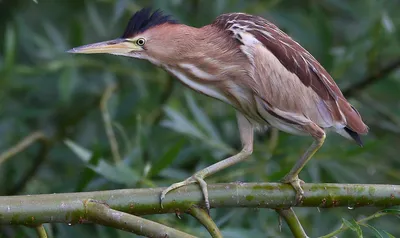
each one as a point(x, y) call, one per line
point(293, 222)
point(41, 231)
point(102, 214)
point(204, 218)
point(21, 145)
point(371, 79)
point(38, 160)
point(108, 122)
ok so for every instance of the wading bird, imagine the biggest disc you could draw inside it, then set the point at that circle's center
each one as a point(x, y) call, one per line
point(250, 64)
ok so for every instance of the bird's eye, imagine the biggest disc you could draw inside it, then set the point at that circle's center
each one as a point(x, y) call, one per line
point(140, 42)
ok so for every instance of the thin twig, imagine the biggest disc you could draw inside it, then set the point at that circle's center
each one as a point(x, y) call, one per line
point(204, 218)
point(373, 78)
point(69, 118)
point(159, 112)
point(359, 222)
point(273, 140)
point(293, 222)
point(102, 214)
point(21, 145)
point(41, 232)
point(40, 157)
point(108, 122)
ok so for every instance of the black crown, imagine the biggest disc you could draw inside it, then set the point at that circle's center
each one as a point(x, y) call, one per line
point(144, 20)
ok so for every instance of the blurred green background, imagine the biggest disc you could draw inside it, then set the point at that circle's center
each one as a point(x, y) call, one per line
point(165, 132)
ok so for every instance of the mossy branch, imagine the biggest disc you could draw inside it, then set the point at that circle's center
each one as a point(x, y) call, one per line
point(69, 207)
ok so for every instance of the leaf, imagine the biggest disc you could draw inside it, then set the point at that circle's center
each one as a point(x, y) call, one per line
point(119, 9)
point(353, 226)
point(66, 85)
point(389, 235)
point(81, 152)
point(56, 37)
point(181, 124)
point(9, 47)
point(387, 23)
point(376, 232)
point(166, 159)
point(118, 173)
point(96, 20)
point(201, 117)
point(392, 210)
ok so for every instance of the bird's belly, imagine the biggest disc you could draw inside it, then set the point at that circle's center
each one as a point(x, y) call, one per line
point(281, 125)
point(273, 119)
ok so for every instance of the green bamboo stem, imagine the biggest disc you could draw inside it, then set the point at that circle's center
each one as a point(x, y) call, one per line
point(102, 214)
point(41, 232)
point(293, 222)
point(69, 207)
point(204, 218)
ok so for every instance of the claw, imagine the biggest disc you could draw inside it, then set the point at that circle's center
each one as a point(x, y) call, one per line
point(203, 186)
point(187, 181)
point(296, 184)
point(195, 178)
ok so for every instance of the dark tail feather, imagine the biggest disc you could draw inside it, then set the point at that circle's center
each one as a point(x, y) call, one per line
point(354, 135)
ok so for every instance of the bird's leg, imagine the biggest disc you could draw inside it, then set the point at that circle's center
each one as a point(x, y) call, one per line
point(246, 137)
point(293, 176)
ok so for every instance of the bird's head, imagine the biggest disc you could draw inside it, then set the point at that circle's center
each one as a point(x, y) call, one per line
point(152, 36)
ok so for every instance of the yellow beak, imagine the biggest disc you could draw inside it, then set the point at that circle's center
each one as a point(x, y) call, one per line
point(117, 46)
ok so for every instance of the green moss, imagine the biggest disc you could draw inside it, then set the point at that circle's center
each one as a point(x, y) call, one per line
point(266, 186)
point(249, 198)
point(360, 189)
point(371, 190)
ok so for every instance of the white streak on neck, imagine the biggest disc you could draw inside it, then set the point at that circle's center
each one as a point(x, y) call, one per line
point(199, 73)
point(208, 90)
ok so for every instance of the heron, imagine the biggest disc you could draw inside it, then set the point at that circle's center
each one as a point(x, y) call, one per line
point(250, 64)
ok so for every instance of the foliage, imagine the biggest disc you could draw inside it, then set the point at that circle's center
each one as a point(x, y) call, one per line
point(166, 132)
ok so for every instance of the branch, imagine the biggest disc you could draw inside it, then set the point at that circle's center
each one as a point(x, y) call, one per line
point(68, 118)
point(108, 122)
point(293, 222)
point(373, 78)
point(22, 145)
point(157, 114)
point(70, 208)
point(41, 232)
point(37, 162)
point(102, 214)
point(204, 218)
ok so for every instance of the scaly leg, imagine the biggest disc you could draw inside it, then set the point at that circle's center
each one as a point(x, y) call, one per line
point(246, 136)
point(293, 176)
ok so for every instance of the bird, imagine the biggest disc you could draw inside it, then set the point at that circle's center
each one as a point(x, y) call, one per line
point(249, 63)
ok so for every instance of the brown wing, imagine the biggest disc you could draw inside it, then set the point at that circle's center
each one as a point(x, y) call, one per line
point(298, 61)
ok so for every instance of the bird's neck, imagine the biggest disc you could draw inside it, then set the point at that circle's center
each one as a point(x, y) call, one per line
point(206, 53)
point(205, 63)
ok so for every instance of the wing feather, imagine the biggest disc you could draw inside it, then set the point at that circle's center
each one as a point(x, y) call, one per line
point(298, 61)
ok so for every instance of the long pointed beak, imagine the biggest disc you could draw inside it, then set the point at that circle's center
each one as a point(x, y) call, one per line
point(117, 46)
